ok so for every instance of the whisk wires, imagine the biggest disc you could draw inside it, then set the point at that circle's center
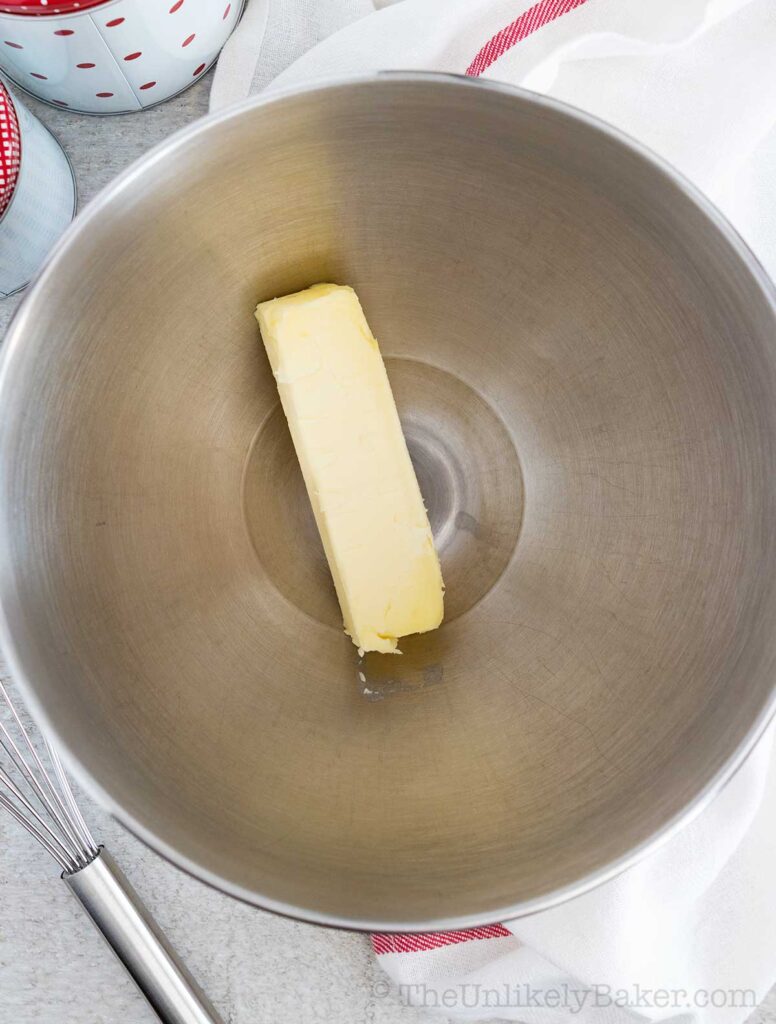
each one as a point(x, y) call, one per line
point(41, 799)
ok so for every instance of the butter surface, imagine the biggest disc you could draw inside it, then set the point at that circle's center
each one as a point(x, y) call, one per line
point(360, 480)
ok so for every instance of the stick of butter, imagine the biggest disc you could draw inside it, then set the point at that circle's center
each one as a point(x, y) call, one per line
point(349, 442)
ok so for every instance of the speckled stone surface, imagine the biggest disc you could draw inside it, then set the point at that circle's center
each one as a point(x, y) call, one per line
point(256, 967)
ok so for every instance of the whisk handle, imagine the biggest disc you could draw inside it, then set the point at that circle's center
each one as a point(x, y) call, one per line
point(130, 931)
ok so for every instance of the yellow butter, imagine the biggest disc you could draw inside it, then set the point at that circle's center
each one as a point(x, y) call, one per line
point(360, 480)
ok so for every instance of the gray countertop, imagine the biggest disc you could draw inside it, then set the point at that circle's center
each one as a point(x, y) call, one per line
point(256, 967)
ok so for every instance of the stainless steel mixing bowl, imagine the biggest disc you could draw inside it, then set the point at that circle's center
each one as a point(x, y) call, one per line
point(584, 357)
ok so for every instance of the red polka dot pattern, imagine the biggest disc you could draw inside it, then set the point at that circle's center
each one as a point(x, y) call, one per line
point(10, 149)
point(136, 49)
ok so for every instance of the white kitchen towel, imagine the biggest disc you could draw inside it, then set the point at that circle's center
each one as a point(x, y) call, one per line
point(271, 35)
point(689, 934)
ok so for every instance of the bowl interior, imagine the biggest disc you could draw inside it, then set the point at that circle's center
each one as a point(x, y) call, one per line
point(582, 356)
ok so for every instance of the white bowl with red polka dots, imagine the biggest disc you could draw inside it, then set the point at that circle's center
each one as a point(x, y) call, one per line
point(111, 56)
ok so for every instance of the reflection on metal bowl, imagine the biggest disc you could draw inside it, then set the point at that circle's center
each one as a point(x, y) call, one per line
point(583, 357)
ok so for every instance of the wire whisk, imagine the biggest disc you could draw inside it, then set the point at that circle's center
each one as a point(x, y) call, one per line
point(65, 836)
point(35, 792)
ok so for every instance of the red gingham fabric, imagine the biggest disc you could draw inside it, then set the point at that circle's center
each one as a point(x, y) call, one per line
point(10, 149)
